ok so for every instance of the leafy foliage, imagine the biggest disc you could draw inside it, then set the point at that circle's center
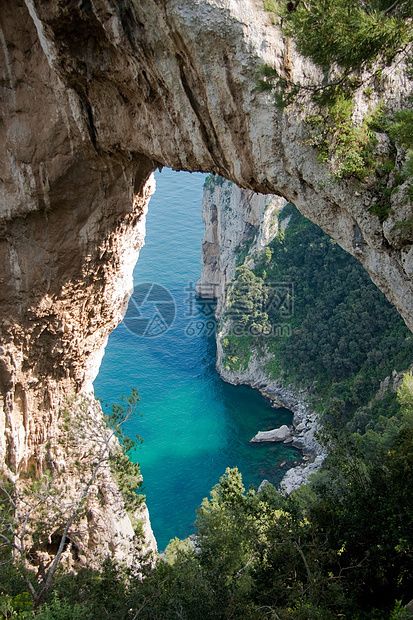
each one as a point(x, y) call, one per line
point(237, 351)
point(212, 181)
point(348, 148)
point(242, 250)
point(59, 609)
point(345, 336)
point(41, 514)
point(125, 471)
point(354, 487)
point(246, 299)
point(352, 42)
point(350, 33)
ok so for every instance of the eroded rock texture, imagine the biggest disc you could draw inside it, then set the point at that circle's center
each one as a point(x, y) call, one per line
point(95, 94)
point(72, 224)
point(234, 219)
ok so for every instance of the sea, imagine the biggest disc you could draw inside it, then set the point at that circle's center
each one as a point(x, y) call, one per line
point(192, 424)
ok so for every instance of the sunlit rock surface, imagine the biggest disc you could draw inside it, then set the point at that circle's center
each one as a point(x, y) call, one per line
point(94, 96)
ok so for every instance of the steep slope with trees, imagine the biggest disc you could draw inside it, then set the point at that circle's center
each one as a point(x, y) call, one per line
point(341, 548)
point(97, 94)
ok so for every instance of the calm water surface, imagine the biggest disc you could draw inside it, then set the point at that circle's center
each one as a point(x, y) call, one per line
point(193, 425)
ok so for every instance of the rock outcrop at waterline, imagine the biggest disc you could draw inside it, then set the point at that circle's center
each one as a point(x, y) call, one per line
point(235, 219)
point(282, 433)
point(94, 96)
point(305, 421)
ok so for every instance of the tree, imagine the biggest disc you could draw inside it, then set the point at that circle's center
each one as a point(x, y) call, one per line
point(355, 35)
point(43, 513)
point(247, 300)
point(352, 43)
point(261, 557)
point(364, 508)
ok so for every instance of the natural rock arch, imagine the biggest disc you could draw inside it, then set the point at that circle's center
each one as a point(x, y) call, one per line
point(95, 96)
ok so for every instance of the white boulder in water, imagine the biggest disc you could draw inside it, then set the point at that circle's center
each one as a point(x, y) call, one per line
point(277, 434)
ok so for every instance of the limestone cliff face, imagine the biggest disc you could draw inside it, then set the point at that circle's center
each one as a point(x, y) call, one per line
point(72, 225)
point(175, 81)
point(94, 96)
point(235, 219)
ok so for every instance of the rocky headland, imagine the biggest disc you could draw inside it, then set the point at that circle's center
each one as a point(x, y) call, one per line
point(236, 219)
point(94, 97)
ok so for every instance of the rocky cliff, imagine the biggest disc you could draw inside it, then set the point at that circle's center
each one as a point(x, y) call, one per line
point(94, 96)
point(235, 220)
point(239, 225)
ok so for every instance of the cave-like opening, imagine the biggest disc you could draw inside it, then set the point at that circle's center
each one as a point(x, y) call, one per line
point(193, 425)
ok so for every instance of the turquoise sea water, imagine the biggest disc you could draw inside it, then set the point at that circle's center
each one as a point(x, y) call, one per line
point(193, 425)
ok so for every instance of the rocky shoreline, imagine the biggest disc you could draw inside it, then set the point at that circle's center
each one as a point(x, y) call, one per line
point(226, 234)
point(305, 423)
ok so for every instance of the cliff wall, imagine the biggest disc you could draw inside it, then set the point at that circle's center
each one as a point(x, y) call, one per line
point(235, 220)
point(175, 82)
point(94, 96)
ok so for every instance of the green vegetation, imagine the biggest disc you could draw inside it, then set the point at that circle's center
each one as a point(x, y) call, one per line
point(345, 336)
point(212, 181)
point(347, 148)
point(352, 43)
point(126, 473)
point(339, 548)
point(356, 36)
point(237, 351)
point(242, 250)
point(41, 515)
point(246, 298)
